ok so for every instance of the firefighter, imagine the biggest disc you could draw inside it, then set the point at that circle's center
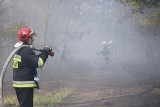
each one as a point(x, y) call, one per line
point(106, 52)
point(24, 67)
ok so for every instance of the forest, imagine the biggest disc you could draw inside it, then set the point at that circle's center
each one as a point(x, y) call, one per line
point(78, 74)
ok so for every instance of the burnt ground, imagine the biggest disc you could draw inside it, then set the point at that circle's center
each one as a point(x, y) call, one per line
point(115, 85)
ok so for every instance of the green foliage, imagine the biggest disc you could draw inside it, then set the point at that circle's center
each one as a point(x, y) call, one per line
point(150, 25)
point(11, 30)
point(9, 34)
point(151, 22)
point(15, 27)
point(140, 5)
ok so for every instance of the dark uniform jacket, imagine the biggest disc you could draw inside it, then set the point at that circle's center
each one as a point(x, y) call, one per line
point(24, 67)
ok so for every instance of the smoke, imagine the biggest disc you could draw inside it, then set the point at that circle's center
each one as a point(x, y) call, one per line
point(76, 29)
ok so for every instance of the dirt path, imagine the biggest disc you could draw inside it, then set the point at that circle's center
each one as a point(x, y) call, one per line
point(102, 86)
point(105, 87)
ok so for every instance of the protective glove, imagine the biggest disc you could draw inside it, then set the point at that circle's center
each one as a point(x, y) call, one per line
point(51, 54)
point(48, 49)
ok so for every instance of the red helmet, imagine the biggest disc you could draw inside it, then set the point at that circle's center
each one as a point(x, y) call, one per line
point(24, 34)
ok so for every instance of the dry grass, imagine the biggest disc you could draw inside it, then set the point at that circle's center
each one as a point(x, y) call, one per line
point(42, 98)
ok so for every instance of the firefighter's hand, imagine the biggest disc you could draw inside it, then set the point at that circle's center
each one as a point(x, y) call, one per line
point(51, 54)
point(48, 49)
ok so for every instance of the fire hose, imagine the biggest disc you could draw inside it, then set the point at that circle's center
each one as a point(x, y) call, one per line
point(4, 71)
point(6, 65)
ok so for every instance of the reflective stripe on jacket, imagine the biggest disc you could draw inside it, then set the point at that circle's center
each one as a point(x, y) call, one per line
point(24, 84)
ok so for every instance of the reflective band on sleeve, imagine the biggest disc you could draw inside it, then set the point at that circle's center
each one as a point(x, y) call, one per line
point(40, 63)
point(24, 84)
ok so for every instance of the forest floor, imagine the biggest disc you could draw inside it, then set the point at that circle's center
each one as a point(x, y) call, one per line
point(114, 85)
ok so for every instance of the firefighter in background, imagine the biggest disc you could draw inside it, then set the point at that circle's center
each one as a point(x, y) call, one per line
point(63, 55)
point(24, 67)
point(107, 51)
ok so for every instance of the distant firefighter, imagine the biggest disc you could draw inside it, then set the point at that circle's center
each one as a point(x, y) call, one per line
point(63, 55)
point(107, 51)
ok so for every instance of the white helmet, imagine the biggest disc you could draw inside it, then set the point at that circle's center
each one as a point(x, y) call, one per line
point(110, 42)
